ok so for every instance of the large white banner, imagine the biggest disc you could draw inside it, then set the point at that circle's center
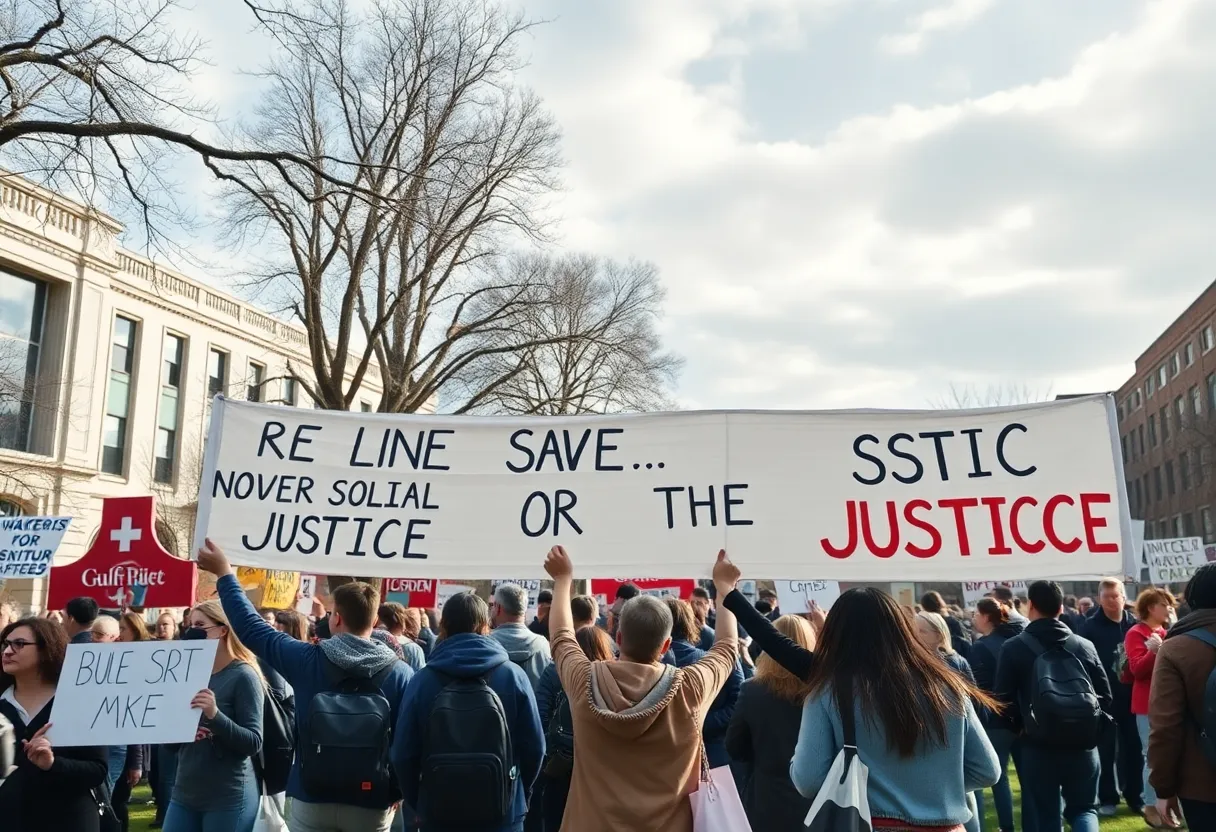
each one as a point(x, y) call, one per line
point(1005, 493)
point(1174, 560)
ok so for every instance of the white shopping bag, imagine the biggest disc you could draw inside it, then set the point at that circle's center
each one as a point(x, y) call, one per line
point(270, 816)
point(842, 804)
point(716, 806)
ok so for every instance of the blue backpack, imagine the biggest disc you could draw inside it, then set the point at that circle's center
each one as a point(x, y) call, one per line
point(1207, 725)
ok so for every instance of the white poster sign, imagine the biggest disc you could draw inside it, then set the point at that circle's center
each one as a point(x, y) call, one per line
point(1174, 561)
point(1031, 491)
point(446, 591)
point(794, 597)
point(975, 590)
point(130, 693)
point(308, 591)
point(28, 544)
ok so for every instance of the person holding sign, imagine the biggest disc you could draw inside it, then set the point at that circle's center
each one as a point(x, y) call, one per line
point(215, 786)
point(52, 788)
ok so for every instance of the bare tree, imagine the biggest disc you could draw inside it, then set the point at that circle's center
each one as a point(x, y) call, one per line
point(995, 395)
point(589, 343)
point(457, 160)
point(93, 91)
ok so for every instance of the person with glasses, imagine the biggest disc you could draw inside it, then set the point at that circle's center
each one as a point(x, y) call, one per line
point(52, 787)
point(216, 788)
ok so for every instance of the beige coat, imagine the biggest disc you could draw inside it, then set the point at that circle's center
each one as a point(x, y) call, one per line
point(641, 727)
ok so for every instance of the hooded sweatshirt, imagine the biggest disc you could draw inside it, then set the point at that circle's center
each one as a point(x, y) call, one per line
point(301, 663)
point(644, 723)
point(468, 656)
point(525, 648)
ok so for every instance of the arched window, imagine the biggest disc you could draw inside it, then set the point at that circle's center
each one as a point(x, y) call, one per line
point(10, 508)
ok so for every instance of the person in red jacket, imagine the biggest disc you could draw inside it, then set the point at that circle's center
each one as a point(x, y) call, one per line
point(1153, 607)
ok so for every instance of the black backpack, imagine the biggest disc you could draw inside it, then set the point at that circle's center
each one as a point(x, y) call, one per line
point(559, 740)
point(278, 741)
point(468, 766)
point(1207, 726)
point(1063, 711)
point(345, 739)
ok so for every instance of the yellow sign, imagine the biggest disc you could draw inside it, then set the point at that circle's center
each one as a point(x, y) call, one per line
point(279, 591)
point(250, 578)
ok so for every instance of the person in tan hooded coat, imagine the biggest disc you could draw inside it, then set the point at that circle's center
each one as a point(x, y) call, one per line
point(639, 719)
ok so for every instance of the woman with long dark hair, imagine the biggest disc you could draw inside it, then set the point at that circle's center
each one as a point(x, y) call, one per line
point(917, 730)
point(52, 787)
point(763, 732)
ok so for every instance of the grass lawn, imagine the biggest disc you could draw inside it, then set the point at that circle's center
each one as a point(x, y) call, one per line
point(142, 814)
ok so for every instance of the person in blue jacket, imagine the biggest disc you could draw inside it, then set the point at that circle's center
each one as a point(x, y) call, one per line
point(350, 647)
point(466, 651)
point(683, 653)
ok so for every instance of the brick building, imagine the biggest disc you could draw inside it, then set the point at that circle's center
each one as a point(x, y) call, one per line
point(1167, 427)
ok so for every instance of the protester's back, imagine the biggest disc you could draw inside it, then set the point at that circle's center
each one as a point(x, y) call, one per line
point(468, 744)
point(642, 720)
point(916, 728)
point(527, 649)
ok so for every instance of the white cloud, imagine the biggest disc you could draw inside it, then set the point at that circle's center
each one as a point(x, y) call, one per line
point(950, 16)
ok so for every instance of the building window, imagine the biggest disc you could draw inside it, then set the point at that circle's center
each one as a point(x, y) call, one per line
point(11, 508)
point(118, 400)
point(365, 407)
point(1180, 410)
point(290, 391)
point(1196, 401)
point(22, 318)
point(1188, 353)
point(1140, 434)
point(1152, 430)
point(1123, 445)
point(1136, 399)
point(257, 377)
point(1158, 492)
point(1163, 529)
point(1163, 377)
point(1175, 365)
point(1149, 387)
point(1205, 521)
point(1188, 525)
point(217, 373)
point(170, 412)
point(1184, 470)
point(1171, 487)
point(1164, 415)
point(1207, 339)
point(1139, 492)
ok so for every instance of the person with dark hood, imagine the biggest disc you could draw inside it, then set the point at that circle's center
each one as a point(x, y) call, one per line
point(350, 653)
point(1182, 775)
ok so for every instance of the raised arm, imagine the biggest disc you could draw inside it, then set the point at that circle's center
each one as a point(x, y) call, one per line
point(785, 651)
point(573, 665)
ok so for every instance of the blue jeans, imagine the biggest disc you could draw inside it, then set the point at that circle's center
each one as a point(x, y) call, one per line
point(239, 818)
point(1150, 794)
point(116, 764)
point(1006, 744)
point(1050, 774)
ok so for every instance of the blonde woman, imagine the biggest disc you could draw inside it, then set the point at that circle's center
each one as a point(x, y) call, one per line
point(934, 634)
point(764, 730)
point(215, 788)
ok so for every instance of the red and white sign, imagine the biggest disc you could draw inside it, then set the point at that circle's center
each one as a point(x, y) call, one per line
point(676, 587)
point(411, 592)
point(126, 566)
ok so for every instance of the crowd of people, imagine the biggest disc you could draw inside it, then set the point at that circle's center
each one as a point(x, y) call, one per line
point(371, 716)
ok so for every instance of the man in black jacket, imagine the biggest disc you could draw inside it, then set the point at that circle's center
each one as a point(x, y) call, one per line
point(1051, 772)
point(1121, 749)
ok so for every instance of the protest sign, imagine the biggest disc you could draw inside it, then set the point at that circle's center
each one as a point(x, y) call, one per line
point(1174, 560)
point(250, 578)
point(411, 592)
point(605, 588)
point(279, 591)
point(975, 590)
point(28, 544)
point(447, 590)
point(130, 693)
point(308, 591)
point(1029, 491)
point(794, 597)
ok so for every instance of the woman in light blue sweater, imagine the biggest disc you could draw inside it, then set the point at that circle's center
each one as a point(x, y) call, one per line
point(917, 730)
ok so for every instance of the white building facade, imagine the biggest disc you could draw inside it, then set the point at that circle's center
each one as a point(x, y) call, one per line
point(108, 365)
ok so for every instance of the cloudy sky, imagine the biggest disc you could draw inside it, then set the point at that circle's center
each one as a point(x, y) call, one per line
point(864, 202)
